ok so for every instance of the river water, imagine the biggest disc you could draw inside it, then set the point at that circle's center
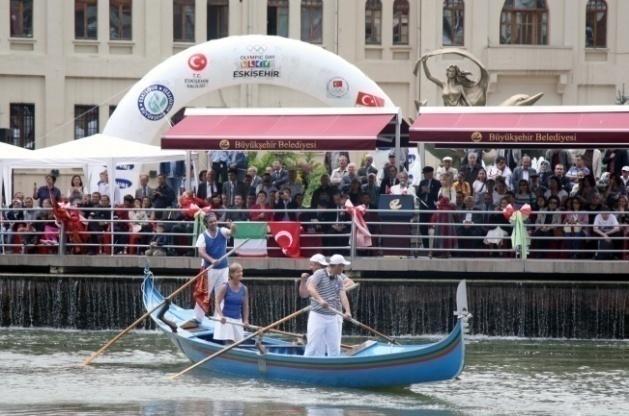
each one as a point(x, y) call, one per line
point(40, 374)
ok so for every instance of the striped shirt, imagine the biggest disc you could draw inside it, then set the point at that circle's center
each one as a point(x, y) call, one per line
point(329, 288)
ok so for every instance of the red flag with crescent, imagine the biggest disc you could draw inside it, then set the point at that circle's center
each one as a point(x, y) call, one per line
point(286, 235)
point(369, 100)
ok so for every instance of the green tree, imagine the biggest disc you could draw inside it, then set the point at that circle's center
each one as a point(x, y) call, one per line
point(309, 169)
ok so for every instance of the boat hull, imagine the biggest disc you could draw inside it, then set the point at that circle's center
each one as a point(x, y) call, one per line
point(379, 366)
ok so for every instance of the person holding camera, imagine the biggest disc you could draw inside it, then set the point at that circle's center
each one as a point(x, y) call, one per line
point(164, 196)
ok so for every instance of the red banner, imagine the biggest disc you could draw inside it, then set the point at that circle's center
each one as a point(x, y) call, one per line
point(286, 235)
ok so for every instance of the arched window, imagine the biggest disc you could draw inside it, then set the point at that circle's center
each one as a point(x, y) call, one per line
point(400, 22)
point(524, 22)
point(453, 22)
point(277, 18)
point(312, 21)
point(373, 22)
point(596, 24)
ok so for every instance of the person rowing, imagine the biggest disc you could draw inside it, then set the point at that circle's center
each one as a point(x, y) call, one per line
point(326, 290)
point(317, 262)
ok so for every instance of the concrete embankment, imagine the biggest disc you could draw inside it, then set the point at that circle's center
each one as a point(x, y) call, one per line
point(384, 267)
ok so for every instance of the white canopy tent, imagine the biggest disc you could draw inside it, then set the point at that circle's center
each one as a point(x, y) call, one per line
point(8, 151)
point(96, 150)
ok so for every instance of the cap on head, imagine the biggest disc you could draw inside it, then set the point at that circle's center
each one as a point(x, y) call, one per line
point(447, 158)
point(337, 259)
point(319, 258)
point(625, 169)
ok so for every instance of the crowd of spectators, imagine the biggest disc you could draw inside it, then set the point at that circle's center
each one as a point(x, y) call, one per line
point(458, 204)
point(568, 191)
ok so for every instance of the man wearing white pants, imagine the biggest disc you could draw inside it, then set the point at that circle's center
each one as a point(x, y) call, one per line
point(212, 245)
point(326, 291)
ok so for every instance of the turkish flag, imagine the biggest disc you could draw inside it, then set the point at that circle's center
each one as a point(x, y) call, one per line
point(369, 100)
point(286, 235)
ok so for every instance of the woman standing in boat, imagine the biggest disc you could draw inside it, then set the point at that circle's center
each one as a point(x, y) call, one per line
point(234, 297)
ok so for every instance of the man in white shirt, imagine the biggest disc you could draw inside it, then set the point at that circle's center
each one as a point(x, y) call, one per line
point(326, 290)
point(605, 226)
point(337, 174)
point(403, 187)
point(212, 245)
point(103, 187)
point(500, 168)
point(624, 178)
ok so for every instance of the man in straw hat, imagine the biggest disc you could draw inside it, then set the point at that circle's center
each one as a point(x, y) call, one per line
point(327, 291)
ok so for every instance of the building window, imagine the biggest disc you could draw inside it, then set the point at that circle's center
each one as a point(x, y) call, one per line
point(453, 22)
point(277, 18)
point(85, 19)
point(112, 108)
point(22, 124)
point(596, 24)
point(524, 22)
point(183, 20)
point(120, 19)
point(217, 19)
point(400, 22)
point(373, 22)
point(85, 121)
point(312, 21)
point(21, 18)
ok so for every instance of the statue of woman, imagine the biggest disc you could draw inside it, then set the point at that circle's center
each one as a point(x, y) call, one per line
point(458, 89)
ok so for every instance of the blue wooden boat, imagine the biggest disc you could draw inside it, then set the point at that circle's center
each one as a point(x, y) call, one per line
point(371, 365)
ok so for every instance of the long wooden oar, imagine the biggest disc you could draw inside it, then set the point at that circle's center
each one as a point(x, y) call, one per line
point(275, 331)
point(256, 327)
point(247, 338)
point(279, 331)
point(360, 324)
point(147, 314)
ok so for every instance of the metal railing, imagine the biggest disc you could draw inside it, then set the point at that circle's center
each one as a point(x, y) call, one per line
point(408, 233)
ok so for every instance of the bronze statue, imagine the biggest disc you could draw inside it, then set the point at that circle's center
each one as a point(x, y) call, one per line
point(458, 89)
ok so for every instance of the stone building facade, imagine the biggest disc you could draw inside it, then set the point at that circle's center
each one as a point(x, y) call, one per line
point(64, 64)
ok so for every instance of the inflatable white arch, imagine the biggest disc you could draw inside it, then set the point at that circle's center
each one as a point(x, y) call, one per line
point(251, 59)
